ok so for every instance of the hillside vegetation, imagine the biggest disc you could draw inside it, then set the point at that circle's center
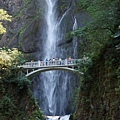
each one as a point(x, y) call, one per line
point(99, 94)
point(16, 100)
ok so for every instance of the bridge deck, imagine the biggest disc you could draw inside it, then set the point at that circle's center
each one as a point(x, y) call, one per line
point(50, 64)
point(36, 67)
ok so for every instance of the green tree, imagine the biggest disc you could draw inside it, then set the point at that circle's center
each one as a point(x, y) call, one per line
point(3, 17)
point(100, 40)
point(16, 100)
point(10, 59)
point(104, 24)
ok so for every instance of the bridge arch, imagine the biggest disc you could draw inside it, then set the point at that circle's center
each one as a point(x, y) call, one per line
point(35, 72)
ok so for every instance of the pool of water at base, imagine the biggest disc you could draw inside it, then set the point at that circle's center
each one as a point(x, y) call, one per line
point(65, 117)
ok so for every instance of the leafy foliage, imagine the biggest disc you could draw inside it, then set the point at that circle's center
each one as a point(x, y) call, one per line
point(103, 26)
point(36, 115)
point(10, 58)
point(6, 105)
point(100, 41)
point(16, 101)
point(3, 17)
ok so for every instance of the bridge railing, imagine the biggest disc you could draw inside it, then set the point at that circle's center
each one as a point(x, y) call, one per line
point(33, 64)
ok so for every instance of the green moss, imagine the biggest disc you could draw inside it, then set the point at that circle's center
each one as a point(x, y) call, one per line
point(100, 86)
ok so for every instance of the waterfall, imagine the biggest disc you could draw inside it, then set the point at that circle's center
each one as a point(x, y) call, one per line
point(50, 47)
point(54, 89)
point(75, 44)
point(66, 117)
point(58, 24)
point(49, 81)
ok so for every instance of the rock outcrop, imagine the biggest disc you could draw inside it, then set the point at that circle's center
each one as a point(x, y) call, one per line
point(22, 31)
point(25, 32)
point(99, 96)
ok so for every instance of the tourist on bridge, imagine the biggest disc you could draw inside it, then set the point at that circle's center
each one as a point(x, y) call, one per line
point(69, 60)
point(32, 63)
point(56, 61)
point(46, 61)
point(53, 61)
point(60, 61)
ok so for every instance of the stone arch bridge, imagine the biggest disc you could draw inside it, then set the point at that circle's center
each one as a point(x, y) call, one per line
point(34, 67)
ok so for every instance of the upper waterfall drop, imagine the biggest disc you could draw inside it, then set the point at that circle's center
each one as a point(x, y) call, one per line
point(75, 44)
point(75, 25)
point(51, 32)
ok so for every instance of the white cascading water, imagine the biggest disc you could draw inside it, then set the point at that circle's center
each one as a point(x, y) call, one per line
point(75, 26)
point(50, 51)
point(54, 89)
point(58, 24)
point(50, 47)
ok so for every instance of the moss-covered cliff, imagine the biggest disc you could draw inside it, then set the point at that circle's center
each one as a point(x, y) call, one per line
point(99, 96)
point(16, 100)
point(16, 103)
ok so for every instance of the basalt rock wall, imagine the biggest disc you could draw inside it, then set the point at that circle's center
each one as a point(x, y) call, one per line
point(22, 31)
point(27, 27)
point(99, 95)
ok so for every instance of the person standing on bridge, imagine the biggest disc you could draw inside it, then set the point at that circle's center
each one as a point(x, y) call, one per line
point(70, 60)
point(32, 63)
point(60, 61)
point(53, 61)
point(46, 61)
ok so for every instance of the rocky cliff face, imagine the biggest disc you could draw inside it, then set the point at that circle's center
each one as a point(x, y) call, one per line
point(99, 96)
point(26, 29)
point(22, 31)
